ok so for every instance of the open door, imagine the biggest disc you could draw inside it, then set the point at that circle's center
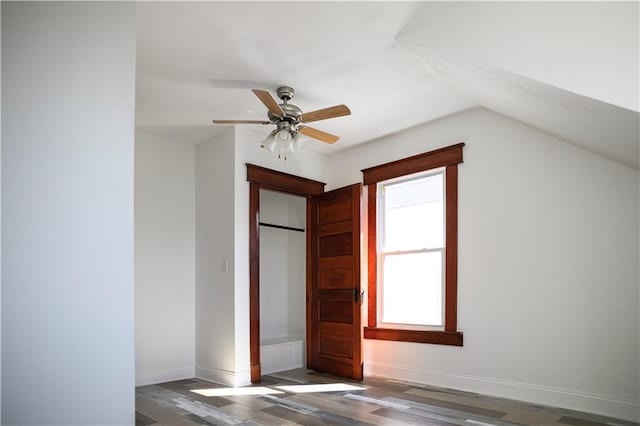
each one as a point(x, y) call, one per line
point(334, 338)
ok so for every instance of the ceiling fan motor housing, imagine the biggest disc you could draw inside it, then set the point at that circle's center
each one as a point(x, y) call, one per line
point(291, 112)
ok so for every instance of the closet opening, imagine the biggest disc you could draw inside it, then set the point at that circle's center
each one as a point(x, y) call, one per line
point(282, 281)
point(279, 201)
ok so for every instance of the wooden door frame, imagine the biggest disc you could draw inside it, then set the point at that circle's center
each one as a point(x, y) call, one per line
point(263, 178)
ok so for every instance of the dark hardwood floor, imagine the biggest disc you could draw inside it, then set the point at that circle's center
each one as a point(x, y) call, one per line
point(304, 397)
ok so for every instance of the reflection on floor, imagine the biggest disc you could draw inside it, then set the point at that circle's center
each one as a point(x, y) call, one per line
point(303, 397)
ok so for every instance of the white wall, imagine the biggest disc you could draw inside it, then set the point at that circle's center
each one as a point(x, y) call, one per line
point(215, 328)
point(164, 259)
point(67, 199)
point(282, 266)
point(274, 267)
point(297, 271)
point(548, 268)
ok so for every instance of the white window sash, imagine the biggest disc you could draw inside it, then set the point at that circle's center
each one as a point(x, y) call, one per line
point(380, 298)
point(383, 254)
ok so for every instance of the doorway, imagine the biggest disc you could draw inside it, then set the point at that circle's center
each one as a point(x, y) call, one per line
point(261, 178)
point(282, 281)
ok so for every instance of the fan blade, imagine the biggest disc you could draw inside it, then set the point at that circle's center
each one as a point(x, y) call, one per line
point(240, 122)
point(269, 102)
point(319, 134)
point(323, 114)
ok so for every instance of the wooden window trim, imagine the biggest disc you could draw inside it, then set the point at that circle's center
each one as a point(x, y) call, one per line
point(449, 158)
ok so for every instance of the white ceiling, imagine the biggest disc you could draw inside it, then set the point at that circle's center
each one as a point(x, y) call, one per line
point(395, 65)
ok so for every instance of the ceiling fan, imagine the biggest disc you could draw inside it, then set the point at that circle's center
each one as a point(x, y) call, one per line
point(290, 121)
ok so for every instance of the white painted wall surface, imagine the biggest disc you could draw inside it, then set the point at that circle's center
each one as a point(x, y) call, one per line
point(282, 266)
point(274, 267)
point(164, 259)
point(548, 268)
point(297, 271)
point(215, 313)
point(67, 198)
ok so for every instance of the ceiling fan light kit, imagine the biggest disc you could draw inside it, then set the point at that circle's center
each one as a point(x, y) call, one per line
point(283, 140)
point(290, 122)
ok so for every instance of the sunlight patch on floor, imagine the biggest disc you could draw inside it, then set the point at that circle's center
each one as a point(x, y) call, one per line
point(257, 390)
point(327, 387)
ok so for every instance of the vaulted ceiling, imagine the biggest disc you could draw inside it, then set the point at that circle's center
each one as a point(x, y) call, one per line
point(569, 69)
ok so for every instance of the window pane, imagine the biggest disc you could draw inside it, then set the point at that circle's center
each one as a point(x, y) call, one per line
point(413, 214)
point(412, 289)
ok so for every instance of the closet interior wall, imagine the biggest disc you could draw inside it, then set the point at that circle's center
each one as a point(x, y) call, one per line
point(282, 281)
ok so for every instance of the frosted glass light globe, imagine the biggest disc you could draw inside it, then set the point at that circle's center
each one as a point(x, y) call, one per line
point(284, 135)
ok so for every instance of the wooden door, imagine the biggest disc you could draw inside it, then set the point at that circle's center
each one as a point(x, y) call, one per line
point(334, 341)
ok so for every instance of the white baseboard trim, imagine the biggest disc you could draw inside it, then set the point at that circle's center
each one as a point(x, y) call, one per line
point(224, 377)
point(598, 404)
point(162, 376)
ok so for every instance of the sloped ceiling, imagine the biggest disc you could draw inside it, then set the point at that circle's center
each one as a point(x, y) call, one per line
point(570, 69)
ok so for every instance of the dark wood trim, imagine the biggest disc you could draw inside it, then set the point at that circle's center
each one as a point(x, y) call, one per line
point(254, 281)
point(442, 157)
point(263, 178)
point(372, 255)
point(312, 271)
point(451, 249)
point(356, 211)
point(448, 157)
point(416, 336)
point(283, 182)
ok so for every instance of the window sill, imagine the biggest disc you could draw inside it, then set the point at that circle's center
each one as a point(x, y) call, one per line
point(452, 338)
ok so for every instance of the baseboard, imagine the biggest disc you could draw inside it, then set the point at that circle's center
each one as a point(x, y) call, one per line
point(597, 404)
point(225, 377)
point(161, 376)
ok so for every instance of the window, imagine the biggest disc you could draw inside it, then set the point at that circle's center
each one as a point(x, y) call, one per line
point(411, 251)
point(412, 227)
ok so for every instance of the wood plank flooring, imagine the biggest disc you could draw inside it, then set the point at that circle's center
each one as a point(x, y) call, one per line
point(288, 398)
